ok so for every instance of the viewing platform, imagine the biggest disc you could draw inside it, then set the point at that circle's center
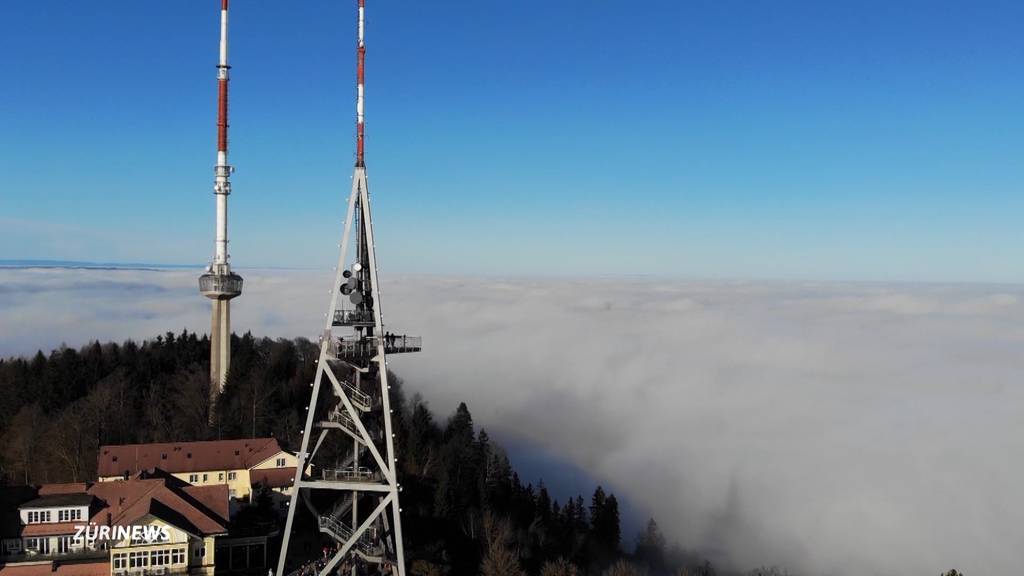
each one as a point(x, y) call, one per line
point(220, 286)
point(366, 347)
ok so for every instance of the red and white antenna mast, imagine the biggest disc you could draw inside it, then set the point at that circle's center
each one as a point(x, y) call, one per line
point(222, 179)
point(360, 81)
point(219, 283)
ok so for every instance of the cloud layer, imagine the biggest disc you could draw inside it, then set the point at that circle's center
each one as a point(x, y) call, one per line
point(831, 428)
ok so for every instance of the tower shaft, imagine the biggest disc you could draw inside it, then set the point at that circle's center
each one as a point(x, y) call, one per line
point(220, 345)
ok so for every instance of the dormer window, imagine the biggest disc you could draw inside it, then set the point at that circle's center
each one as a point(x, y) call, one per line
point(69, 515)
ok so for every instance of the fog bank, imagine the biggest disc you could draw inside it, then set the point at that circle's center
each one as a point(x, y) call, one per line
point(831, 428)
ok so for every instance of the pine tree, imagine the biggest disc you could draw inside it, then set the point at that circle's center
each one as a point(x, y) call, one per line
point(650, 547)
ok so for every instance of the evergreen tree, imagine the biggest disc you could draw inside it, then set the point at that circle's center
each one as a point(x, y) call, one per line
point(650, 547)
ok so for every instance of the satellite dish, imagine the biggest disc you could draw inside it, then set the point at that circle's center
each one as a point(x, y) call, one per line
point(346, 289)
point(346, 274)
point(356, 297)
point(357, 267)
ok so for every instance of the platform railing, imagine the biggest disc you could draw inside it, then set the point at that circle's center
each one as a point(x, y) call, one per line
point(341, 416)
point(343, 533)
point(367, 346)
point(360, 399)
point(349, 473)
point(220, 284)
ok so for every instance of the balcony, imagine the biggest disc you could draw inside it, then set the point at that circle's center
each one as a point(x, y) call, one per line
point(353, 318)
point(220, 286)
point(75, 554)
point(366, 346)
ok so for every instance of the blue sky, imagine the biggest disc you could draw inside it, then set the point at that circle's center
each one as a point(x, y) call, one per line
point(871, 140)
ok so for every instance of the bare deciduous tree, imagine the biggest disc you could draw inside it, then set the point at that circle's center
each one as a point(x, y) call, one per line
point(624, 568)
point(500, 559)
point(559, 567)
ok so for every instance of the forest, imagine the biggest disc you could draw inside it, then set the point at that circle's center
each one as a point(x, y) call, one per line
point(465, 509)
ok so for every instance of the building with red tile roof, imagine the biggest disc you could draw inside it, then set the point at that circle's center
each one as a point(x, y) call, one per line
point(241, 464)
point(184, 521)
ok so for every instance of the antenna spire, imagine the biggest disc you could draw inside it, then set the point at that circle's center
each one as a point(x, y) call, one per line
point(360, 78)
point(222, 184)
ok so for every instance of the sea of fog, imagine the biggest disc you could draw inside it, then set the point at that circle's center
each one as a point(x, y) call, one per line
point(841, 429)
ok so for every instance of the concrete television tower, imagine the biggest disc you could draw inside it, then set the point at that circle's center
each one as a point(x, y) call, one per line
point(219, 283)
point(346, 485)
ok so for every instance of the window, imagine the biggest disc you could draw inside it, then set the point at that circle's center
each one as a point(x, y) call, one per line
point(193, 478)
point(160, 558)
point(280, 462)
point(178, 556)
point(204, 478)
point(120, 561)
point(220, 476)
point(64, 544)
point(69, 514)
point(38, 516)
point(38, 545)
point(232, 475)
point(13, 545)
point(138, 559)
point(201, 552)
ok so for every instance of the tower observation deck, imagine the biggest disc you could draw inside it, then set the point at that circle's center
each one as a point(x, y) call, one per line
point(346, 484)
point(219, 283)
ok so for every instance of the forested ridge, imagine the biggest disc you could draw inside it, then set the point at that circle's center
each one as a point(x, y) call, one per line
point(465, 509)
